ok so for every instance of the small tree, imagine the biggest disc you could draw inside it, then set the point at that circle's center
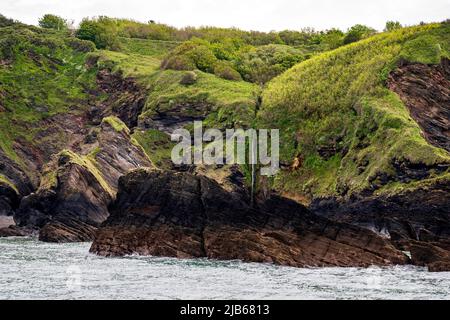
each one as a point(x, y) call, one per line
point(51, 21)
point(358, 32)
point(392, 25)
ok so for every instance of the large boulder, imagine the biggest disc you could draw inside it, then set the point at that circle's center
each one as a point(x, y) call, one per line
point(183, 215)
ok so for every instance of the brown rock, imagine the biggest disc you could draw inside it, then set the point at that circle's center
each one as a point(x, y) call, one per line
point(182, 215)
point(432, 256)
point(76, 190)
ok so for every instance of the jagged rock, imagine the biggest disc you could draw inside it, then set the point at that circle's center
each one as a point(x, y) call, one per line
point(183, 215)
point(125, 98)
point(76, 190)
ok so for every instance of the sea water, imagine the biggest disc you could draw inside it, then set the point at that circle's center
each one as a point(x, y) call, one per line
point(35, 270)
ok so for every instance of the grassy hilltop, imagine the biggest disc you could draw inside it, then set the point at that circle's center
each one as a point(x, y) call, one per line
point(347, 130)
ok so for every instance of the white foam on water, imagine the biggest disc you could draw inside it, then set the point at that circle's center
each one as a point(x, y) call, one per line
point(35, 270)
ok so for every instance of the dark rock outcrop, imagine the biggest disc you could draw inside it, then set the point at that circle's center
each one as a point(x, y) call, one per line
point(425, 90)
point(417, 220)
point(9, 200)
point(76, 190)
point(125, 98)
point(183, 215)
point(420, 214)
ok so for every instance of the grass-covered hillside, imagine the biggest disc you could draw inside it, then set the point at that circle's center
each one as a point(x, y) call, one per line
point(42, 76)
point(343, 129)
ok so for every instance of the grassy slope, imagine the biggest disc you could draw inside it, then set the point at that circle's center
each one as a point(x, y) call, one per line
point(338, 99)
point(233, 102)
point(42, 76)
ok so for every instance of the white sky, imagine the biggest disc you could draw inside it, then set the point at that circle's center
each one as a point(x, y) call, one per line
point(245, 14)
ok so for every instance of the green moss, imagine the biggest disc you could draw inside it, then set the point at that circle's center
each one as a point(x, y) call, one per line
point(90, 165)
point(43, 76)
point(116, 124)
point(337, 101)
point(6, 181)
point(157, 145)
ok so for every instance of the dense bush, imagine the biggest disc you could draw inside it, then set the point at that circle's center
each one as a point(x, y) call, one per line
point(392, 25)
point(225, 70)
point(358, 32)
point(102, 31)
point(178, 62)
point(51, 21)
point(261, 64)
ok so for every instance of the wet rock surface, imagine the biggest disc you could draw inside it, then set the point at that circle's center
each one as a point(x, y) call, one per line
point(183, 215)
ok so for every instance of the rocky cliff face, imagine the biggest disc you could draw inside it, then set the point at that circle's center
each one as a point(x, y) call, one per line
point(182, 215)
point(425, 90)
point(416, 218)
point(76, 190)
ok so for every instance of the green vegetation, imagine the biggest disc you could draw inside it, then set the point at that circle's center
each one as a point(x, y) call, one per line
point(358, 32)
point(337, 101)
point(224, 103)
point(157, 145)
point(332, 108)
point(4, 180)
point(233, 61)
point(43, 74)
point(116, 124)
point(51, 21)
point(392, 25)
point(90, 165)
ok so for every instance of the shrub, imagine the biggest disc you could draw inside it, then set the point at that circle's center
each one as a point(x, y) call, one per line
point(51, 21)
point(189, 78)
point(178, 62)
point(358, 32)
point(203, 58)
point(80, 45)
point(225, 70)
point(392, 25)
point(261, 64)
point(102, 31)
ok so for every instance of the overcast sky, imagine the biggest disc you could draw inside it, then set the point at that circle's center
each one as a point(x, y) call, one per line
point(244, 14)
